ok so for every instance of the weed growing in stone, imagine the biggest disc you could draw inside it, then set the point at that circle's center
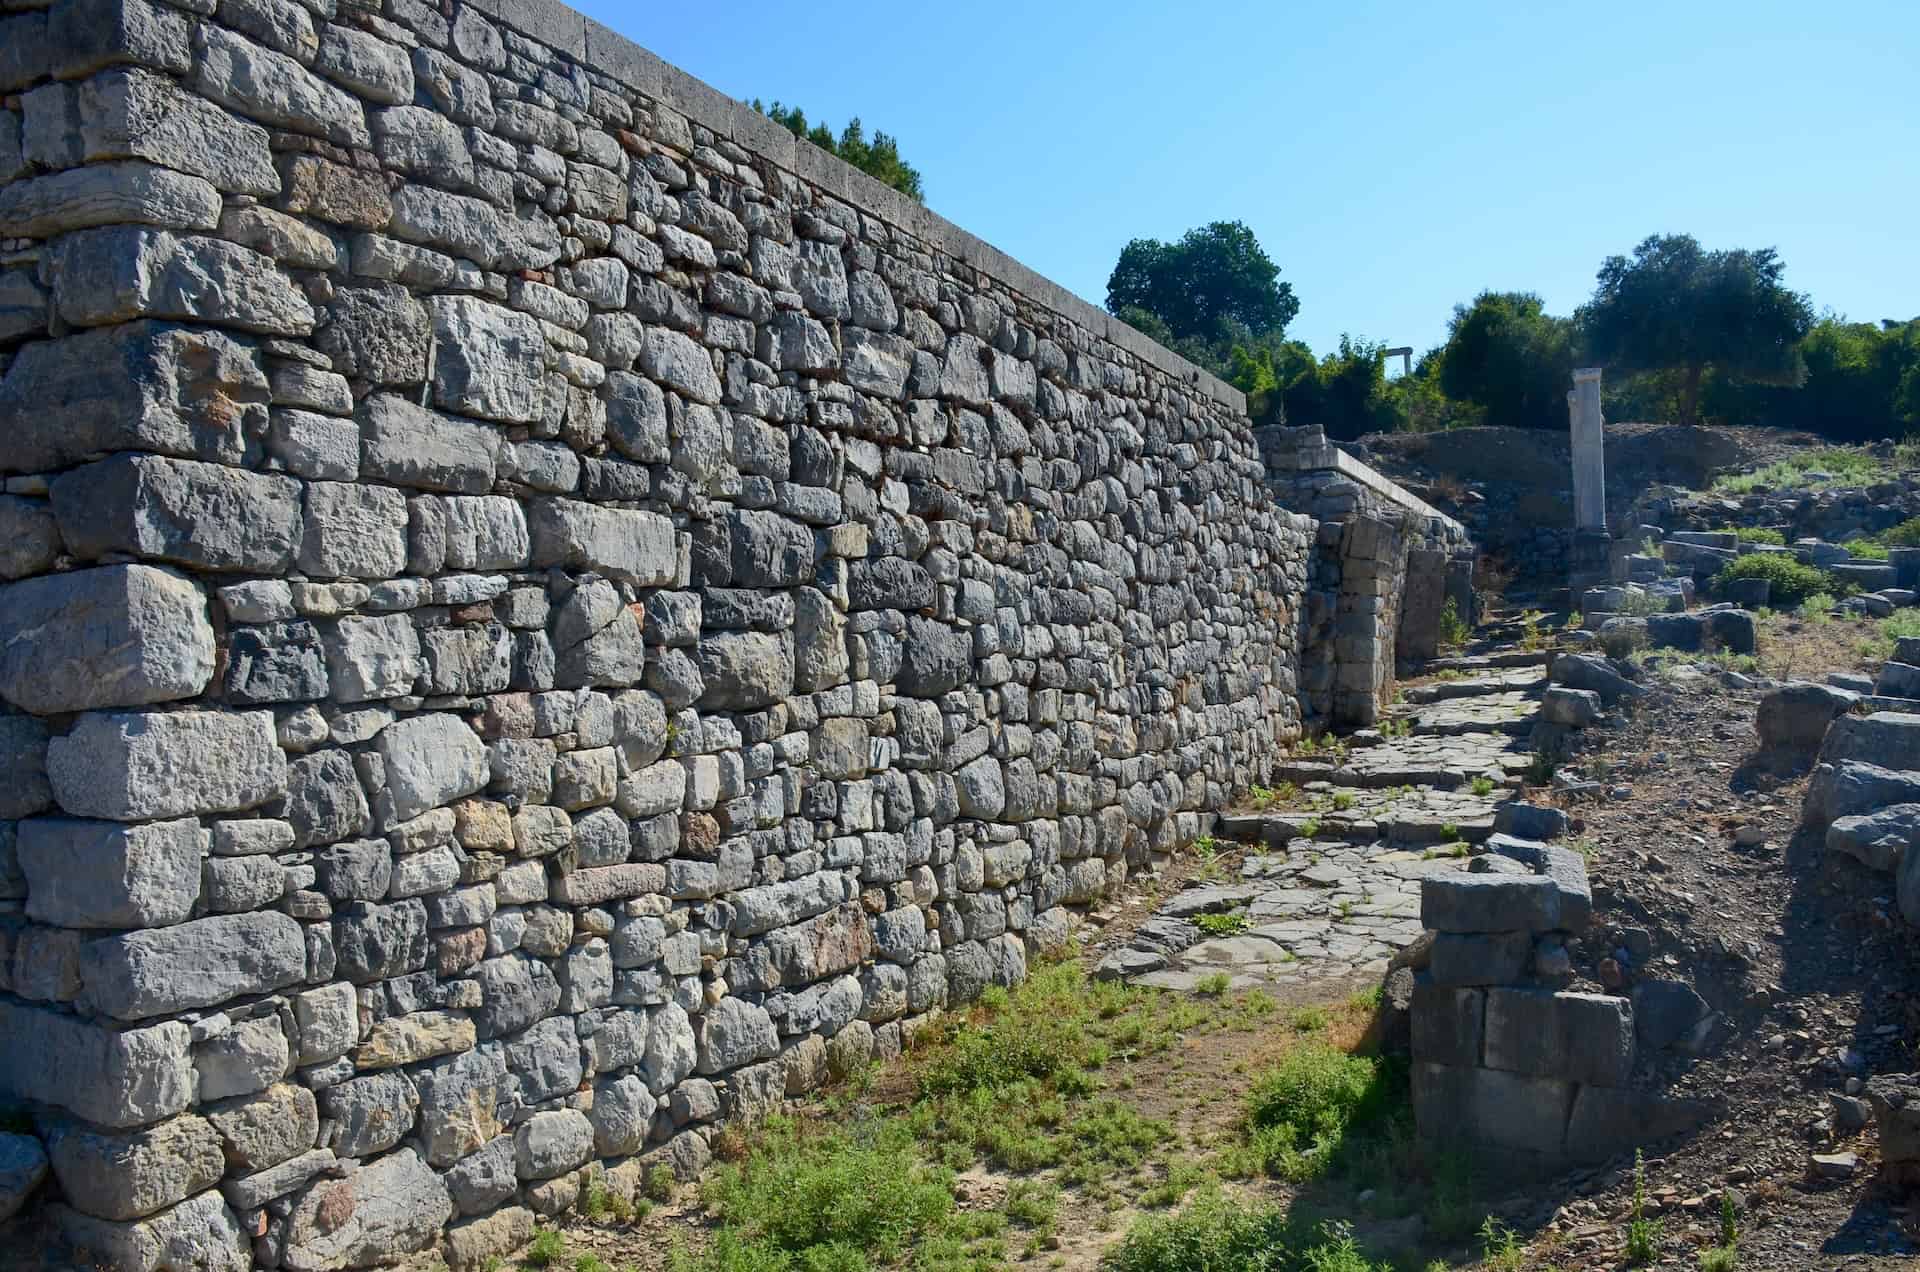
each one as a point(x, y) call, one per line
point(546, 1249)
point(1482, 786)
point(1226, 924)
point(1500, 1247)
point(1213, 986)
point(1453, 628)
point(1310, 828)
point(1643, 1234)
point(1216, 1234)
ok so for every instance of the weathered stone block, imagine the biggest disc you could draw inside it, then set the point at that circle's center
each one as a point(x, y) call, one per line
point(1448, 1024)
point(133, 113)
point(112, 1077)
point(626, 543)
point(491, 360)
point(99, 874)
point(119, 273)
point(116, 636)
point(136, 765)
point(197, 964)
point(1494, 958)
point(107, 194)
point(199, 1233)
point(273, 88)
point(198, 514)
point(1582, 1037)
point(140, 386)
point(1454, 1104)
point(354, 531)
point(1489, 903)
point(395, 1206)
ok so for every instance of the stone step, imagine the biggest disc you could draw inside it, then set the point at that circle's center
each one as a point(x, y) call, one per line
point(1520, 679)
point(1487, 662)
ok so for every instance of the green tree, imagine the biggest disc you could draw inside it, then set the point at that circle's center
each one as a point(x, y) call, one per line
point(1674, 305)
point(878, 158)
point(1213, 289)
point(1506, 355)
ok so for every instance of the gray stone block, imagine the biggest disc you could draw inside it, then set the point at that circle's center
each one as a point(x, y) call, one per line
point(273, 88)
point(490, 360)
point(133, 113)
point(130, 1175)
point(249, 1057)
point(101, 874)
point(550, 1144)
point(1564, 867)
point(431, 760)
point(1489, 903)
point(1582, 1037)
point(409, 445)
point(458, 1097)
point(370, 1113)
point(139, 386)
point(745, 670)
point(1607, 1121)
point(113, 1077)
point(1455, 1105)
point(107, 194)
point(1448, 1024)
point(395, 1206)
point(732, 1033)
point(119, 273)
point(376, 942)
point(136, 765)
point(116, 636)
point(198, 964)
point(23, 1165)
point(1497, 958)
point(281, 662)
point(626, 543)
point(29, 540)
point(197, 514)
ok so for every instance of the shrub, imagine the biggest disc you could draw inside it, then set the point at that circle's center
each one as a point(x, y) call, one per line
point(1453, 628)
point(1789, 581)
point(1904, 535)
point(1866, 549)
point(1761, 534)
point(1215, 1234)
point(1300, 1111)
point(846, 1198)
point(1222, 924)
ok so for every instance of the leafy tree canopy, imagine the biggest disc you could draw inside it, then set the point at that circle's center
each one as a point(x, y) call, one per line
point(1213, 289)
point(1674, 305)
point(1506, 355)
point(878, 158)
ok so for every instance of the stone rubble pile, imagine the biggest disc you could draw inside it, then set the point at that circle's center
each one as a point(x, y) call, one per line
point(541, 613)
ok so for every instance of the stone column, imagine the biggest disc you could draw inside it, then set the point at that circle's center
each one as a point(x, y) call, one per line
point(1591, 541)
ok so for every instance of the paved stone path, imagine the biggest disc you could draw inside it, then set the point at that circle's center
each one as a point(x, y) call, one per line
point(1330, 885)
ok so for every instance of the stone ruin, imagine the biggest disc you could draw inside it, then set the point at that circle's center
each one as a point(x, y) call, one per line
point(542, 613)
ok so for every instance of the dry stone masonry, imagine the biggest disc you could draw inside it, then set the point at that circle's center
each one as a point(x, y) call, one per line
point(541, 613)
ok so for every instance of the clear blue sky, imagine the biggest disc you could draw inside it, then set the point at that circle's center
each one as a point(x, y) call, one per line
point(1394, 159)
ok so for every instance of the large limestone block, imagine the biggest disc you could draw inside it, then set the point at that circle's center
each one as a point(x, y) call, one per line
point(744, 671)
point(371, 657)
point(1489, 903)
point(490, 362)
point(137, 765)
point(459, 1099)
point(676, 361)
point(197, 964)
point(107, 194)
point(394, 1207)
point(431, 760)
point(206, 515)
point(117, 636)
point(131, 1175)
point(626, 543)
point(200, 1234)
point(734, 1032)
point(143, 386)
point(273, 88)
point(113, 1077)
point(1890, 739)
point(133, 113)
point(409, 445)
point(262, 1130)
point(354, 531)
point(378, 333)
point(121, 272)
point(101, 874)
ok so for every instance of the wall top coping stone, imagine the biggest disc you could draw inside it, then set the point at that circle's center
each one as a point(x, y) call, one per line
point(1307, 450)
point(605, 50)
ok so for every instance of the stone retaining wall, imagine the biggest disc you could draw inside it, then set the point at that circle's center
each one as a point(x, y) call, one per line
point(543, 613)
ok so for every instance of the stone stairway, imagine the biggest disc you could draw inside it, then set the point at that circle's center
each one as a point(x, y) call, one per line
point(1327, 883)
